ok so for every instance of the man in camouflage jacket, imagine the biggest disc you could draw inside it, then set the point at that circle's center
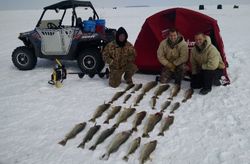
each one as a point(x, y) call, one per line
point(172, 54)
point(207, 65)
point(120, 56)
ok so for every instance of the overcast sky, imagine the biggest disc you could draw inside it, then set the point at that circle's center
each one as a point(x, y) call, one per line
point(39, 4)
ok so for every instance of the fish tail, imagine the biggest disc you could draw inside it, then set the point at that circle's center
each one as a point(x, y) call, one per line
point(125, 158)
point(134, 129)
point(63, 142)
point(81, 145)
point(145, 135)
point(92, 147)
point(161, 134)
point(106, 122)
point(92, 120)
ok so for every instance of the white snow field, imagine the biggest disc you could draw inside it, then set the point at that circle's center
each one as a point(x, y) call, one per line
point(35, 116)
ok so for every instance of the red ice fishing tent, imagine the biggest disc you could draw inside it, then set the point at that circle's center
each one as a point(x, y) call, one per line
point(187, 22)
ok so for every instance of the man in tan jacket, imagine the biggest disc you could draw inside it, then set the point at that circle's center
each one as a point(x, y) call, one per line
point(173, 54)
point(207, 64)
point(120, 56)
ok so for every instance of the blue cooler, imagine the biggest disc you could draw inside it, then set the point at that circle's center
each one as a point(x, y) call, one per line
point(100, 25)
point(89, 26)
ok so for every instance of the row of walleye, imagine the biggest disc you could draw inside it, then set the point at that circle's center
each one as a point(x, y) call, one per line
point(124, 114)
point(146, 88)
point(123, 136)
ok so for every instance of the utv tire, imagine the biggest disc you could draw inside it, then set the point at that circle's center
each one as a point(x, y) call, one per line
point(90, 61)
point(23, 58)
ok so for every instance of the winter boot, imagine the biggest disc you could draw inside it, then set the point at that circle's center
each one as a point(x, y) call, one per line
point(204, 91)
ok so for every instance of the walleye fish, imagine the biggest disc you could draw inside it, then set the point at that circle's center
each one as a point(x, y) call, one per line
point(188, 95)
point(112, 113)
point(147, 87)
point(137, 88)
point(147, 149)
point(138, 119)
point(129, 87)
point(126, 98)
point(153, 102)
point(92, 131)
point(160, 89)
point(116, 96)
point(152, 121)
point(100, 109)
point(77, 129)
point(124, 115)
point(118, 140)
point(138, 99)
point(166, 123)
point(132, 148)
point(175, 90)
point(102, 137)
point(165, 105)
point(175, 107)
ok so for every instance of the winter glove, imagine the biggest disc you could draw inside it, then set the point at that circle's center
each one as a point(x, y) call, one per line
point(172, 67)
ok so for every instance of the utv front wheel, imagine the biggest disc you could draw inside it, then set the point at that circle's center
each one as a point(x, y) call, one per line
point(90, 61)
point(23, 58)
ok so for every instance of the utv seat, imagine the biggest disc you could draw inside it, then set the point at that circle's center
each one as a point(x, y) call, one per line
point(79, 23)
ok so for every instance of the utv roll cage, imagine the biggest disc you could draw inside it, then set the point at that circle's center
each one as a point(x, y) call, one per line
point(68, 4)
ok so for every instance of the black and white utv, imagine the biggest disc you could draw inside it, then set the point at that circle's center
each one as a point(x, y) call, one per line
point(61, 34)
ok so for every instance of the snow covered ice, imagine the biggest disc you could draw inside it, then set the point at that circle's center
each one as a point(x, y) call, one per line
point(211, 129)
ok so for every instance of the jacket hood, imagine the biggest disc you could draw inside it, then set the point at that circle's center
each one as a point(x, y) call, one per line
point(120, 31)
point(205, 45)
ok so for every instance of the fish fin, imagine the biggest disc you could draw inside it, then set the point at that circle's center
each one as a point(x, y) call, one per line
point(184, 100)
point(161, 134)
point(63, 142)
point(145, 135)
point(125, 158)
point(105, 156)
point(92, 147)
point(81, 145)
point(106, 122)
point(134, 129)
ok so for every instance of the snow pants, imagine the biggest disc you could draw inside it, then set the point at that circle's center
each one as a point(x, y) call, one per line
point(177, 75)
point(115, 75)
point(206, 78)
